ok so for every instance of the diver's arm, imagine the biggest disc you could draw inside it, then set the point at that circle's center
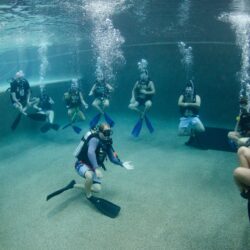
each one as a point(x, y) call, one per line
point(13, 96)
point(82, 100)
point(133, 92)
point(180, 101)
point(113, 158)
point(110, 88)
point(152, 91)
point(28, 96)
point(195, 104)
point(92, 146)
point(91, 92)
point(237, 125)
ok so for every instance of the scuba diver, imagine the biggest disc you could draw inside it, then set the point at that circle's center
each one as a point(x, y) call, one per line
point(20, 93)
point(20, 96)
point(242, 174)
point(74, 101)
point(241, 134)
point(141, 101)
point(101, 91)
point(190, 124)
point(91, 153)
point(44, 106)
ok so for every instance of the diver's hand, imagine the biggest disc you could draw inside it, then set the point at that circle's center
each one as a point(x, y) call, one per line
point(98, 173)
point(90, 93)
point(128, 165)
point(143, 91)
point(86, 105)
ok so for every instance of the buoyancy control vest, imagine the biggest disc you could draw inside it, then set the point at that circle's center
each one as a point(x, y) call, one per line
point(101, 150)
point(192, 110)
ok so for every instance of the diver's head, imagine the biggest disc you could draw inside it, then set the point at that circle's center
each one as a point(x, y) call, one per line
point(19, 74)
point(189, 89)
point(100, 77)
point(105, 132)
point(74, 84)
point(42, 90)
point(144, 76)
point(243, 104)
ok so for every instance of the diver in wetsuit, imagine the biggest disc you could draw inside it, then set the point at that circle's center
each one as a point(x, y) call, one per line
point(142, 94)
point(74, 101)
point(190, 124)
point(44, 106)
point(93, 149)
point(101, 91)
point(241, 134)
point(20, 93)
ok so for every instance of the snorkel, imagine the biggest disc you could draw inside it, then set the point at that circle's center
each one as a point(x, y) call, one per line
point(189, 91)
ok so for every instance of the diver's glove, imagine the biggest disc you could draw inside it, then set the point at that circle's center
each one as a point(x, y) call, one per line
point(128, 165)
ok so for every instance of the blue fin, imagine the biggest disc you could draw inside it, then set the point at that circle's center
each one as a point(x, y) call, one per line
point(149, 124)
point(137, 128)
point(76, 129)
point(95, 120)
point(109, 120)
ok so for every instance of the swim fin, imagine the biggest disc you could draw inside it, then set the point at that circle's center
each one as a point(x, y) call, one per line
point(137, 128)
point(45, 128)
point(54, 126)
point(76, 129)
point(105, 207)
point(67, 125)
point(149, 124)
point(109, 120)
point(69, 186)
point(16, 121)
point(95, 120)
point(37, 117)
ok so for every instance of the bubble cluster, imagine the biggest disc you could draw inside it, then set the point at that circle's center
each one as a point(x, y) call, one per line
point(106, 39)
point(240, 23)
point(187, 58)
point(42, 52)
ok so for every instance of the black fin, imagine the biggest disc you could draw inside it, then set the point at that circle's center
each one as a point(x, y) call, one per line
point(105, 207)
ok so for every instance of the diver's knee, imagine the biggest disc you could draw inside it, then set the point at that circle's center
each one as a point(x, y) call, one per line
point(96, 187)
point(237, 172)
point(148, 104)
point(242, 151)
point(89, 175)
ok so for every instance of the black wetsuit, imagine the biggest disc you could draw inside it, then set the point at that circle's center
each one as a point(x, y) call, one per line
point(244, 124)
point(102, 150)
point(44, 102)
point(101, 91)
point(74, 99)
point(21, 88)
point(193, 110)
point(140, 97)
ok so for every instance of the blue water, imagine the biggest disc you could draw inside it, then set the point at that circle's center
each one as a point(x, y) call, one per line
point(177, 197)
